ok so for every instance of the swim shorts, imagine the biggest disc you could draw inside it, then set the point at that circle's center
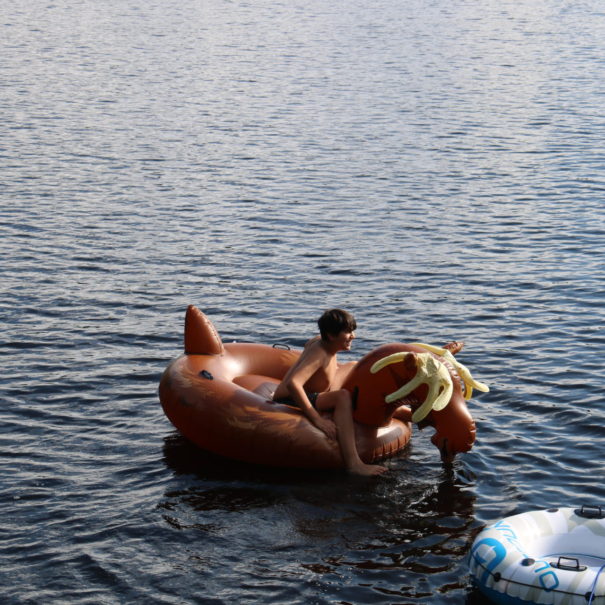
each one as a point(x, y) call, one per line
point(289, 401)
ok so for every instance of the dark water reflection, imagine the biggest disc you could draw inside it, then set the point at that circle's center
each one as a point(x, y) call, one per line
point(405, 526)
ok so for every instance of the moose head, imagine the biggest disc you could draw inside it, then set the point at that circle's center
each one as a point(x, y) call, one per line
point(417, 382)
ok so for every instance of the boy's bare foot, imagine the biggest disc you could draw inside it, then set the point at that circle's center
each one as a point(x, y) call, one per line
point(367, 470)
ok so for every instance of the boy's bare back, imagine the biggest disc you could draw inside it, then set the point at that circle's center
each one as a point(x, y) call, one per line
point(316, 366)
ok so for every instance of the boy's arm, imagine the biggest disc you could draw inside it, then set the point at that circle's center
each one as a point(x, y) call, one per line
point(309, 363)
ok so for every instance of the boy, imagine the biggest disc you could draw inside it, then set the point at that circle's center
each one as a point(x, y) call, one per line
point(307, 386)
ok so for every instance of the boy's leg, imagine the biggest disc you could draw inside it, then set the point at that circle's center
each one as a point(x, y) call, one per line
point(340, 402)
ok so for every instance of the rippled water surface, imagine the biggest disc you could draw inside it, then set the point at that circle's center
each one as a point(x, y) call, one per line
point(435, 167)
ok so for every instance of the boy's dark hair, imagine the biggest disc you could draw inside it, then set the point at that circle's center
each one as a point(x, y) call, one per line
point(334, 322)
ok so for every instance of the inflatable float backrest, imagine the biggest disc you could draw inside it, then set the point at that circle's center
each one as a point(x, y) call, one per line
point(201, 337)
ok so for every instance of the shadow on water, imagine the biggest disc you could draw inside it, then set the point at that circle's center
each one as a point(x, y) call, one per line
point(411, 528)
point(185, 458)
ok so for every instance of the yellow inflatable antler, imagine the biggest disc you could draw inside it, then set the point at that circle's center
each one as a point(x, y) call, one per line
point(463, 371)
point(429, 371)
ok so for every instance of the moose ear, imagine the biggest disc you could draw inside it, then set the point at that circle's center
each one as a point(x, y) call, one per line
point(201, 337)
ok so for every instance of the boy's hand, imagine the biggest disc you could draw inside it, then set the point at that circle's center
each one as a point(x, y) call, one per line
point(327, 426)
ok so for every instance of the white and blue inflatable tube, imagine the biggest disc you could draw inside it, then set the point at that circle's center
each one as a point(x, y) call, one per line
point(550, 557)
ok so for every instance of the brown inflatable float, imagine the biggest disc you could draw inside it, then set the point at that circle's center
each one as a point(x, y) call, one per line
point(219, 397)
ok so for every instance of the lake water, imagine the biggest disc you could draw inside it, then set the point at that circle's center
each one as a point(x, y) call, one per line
point(435, 167)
